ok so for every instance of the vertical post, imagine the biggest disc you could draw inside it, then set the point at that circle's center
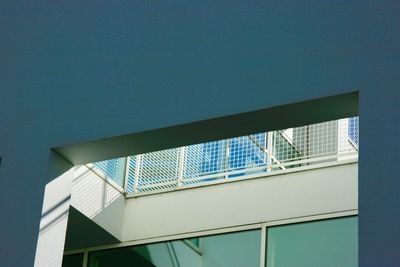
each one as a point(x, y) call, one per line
point(265, 147)
point(263, 245)
point(181, 165)
point(126, 173)
point(227, 158)
point(307, 149)
point(85, 258)
point(269, 151)
point(137, 173)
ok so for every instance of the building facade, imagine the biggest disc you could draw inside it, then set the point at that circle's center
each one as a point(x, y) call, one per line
point(86, 82)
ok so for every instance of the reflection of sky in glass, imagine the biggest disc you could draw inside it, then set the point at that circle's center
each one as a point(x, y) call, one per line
point(237, 249)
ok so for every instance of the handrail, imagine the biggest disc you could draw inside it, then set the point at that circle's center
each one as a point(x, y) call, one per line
point(309, 160)
point(103, 177)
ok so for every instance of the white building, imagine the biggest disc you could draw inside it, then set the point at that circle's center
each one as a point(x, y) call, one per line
point(247, 201)
point(83, 82)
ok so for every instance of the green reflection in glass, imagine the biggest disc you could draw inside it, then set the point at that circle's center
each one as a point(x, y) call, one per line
point(327, 243)
point(74, 260)
point(195, 241)
point(126, 256)
point(225, 250)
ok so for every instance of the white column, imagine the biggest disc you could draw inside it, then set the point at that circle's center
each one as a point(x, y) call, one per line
point(53, 224)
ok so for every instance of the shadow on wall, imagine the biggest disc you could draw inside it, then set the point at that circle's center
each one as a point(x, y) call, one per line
point(90, 195)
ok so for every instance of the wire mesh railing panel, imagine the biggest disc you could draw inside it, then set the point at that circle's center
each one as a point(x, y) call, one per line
point(353, 130)
point(90, 193)
point(246, 153)
point(158, 170)
point(87, 192)
point(112, 169)
point(204, 160)
point(322, 138)
point(237, 157)
point(283, 147)
point(110, 195)
point(312, 141)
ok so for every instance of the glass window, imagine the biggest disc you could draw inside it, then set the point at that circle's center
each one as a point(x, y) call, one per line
point(195, 241)
point(74, 260)
point(225, 250)
point(327, 243)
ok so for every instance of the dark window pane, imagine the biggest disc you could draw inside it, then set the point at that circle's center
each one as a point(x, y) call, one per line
point(74, 260)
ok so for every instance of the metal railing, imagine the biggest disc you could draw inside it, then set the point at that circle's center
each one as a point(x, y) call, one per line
point(235, 157)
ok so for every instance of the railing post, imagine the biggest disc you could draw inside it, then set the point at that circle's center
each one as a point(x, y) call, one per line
point(137, 173)
point(263, 245)
point(269, 151)
point(227, 158)
point(181, 165)
point(126, 174)
point(265, 147)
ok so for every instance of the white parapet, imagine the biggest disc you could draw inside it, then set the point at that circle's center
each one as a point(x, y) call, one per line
point(314, 190)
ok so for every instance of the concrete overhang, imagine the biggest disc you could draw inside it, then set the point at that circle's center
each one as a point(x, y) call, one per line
point(274, 118)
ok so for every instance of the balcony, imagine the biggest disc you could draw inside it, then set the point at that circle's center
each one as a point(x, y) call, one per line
point(238, 158)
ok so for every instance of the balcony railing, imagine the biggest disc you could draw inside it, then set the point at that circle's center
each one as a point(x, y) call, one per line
point(255, 154)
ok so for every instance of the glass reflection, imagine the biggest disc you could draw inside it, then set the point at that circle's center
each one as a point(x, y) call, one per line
point(225, 250)
point(328, 243)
